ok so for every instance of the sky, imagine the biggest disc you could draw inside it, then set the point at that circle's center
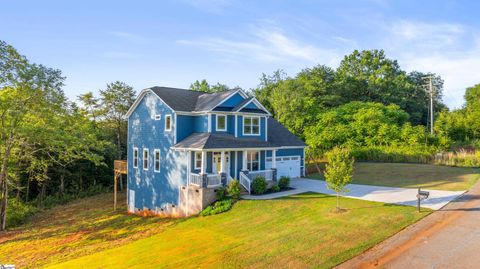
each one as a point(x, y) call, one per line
point(174, 43)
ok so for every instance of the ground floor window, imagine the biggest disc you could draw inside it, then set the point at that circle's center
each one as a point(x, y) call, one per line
point(157, 160)
point(198, 160)
point(253, 160)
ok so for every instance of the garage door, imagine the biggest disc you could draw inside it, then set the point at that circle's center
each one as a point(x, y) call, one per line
point(286, 166)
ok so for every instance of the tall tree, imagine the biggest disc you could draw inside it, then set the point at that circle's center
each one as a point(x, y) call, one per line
point(116, 99)
point(204, 86)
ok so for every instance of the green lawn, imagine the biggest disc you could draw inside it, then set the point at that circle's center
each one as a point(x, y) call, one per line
point(300, 231)
point(413, 176)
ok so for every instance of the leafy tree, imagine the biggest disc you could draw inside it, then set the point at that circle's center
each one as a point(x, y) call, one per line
point(116, 99)
point(91, 105)
point(338, 173)
point(203, 86)
point(359, 124)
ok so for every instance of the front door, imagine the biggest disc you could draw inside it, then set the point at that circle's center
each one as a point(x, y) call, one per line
point(217, 162)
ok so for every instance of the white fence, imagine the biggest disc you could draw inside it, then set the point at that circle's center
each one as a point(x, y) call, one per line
point(245, 181)
point(267, 174)
point(213, 180)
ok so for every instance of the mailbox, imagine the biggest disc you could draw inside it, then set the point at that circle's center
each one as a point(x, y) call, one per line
point(422, 195)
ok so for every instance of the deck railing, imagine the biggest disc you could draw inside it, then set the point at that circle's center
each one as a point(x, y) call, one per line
point(196, 179)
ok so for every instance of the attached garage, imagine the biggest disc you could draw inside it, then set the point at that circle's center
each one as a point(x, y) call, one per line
point(289, 166)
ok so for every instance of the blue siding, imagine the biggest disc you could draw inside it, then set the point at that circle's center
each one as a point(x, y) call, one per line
point(252, 105)
point(154, 189)
point(231, 124)
point(185, 126)
point(200, 124)
point(232, 101)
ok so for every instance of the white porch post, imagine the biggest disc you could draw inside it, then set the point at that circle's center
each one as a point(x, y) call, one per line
point(274, 158)
point(204, 162)
point(244, 160)
point(222, 162)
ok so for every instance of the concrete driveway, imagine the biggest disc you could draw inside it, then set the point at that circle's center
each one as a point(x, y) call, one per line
point(402, 196)
point(447, 238)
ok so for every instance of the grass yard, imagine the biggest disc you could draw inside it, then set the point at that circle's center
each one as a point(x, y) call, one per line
point(79, 228)
point(300, 231)
point(413, 176)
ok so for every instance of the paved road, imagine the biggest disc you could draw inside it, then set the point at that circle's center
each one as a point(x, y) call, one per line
point(403, 196)
point(448, 238)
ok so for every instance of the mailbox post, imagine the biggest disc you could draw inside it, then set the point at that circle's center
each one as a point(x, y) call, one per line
point(422, 195)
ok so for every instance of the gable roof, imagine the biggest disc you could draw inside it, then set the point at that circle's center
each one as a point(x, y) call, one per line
point(192, 101)
point(279, 135)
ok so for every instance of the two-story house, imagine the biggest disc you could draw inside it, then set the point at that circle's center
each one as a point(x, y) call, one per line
point(184, 144)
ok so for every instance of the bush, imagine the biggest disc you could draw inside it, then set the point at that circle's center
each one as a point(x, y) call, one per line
point(284, 182)
point(218, 207)
point(233, 189)
point(395, 154)
point(58, 199)
point(259, 185)
point(221, 193)
point(275, 188)
point(18, 212)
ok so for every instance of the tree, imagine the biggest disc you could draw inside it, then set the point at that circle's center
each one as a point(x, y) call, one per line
point(90, 104)
point(338, 173)
point(203, 86)
point(116, 99)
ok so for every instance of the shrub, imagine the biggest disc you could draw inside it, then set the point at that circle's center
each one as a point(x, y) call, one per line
point(18, 212)
point(338, 172)
point(218, 207)
point(233, 189)
point(395, 154)
point(221, 193)
point(275, 188)
point(284, 182)
point(259, 185)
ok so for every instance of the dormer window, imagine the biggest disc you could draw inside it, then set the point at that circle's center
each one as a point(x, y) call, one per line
point(221, 122)
point(168, 122)
point(251, 125)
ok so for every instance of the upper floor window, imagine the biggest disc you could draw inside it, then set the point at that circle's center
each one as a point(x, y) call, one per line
point(168, 122)
point(156, 158)
point(158, 117)
point(251, 125)
point(135, 157)
point(221, 122)
point(145, 159)
point(198, 160)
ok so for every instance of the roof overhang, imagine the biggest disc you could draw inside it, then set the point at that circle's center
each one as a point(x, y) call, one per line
point(139, 99)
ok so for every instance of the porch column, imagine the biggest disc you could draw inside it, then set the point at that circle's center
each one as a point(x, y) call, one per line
point(223, 175)
point(274, 165)
point(203, 169)
point(244, 160)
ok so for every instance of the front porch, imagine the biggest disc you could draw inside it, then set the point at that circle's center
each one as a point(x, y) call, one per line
point(216, 168)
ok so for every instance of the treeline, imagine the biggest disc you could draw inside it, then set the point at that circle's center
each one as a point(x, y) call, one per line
point(51, 148)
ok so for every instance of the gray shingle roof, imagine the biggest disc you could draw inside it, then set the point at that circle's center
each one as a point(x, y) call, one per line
point(278, 136)
point(220, 140)
point(188, 100)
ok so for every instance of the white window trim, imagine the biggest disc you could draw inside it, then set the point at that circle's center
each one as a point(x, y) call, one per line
point(171, 123)
point(259, 124)
point(143, 159)
point(195, 160)
point(216, 123)
point(155, 160)
point(135, 149)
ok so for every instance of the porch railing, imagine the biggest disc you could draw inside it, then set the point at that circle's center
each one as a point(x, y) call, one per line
point(267, 174)
point(245, 182)
point(196, 179)
point(213, 180)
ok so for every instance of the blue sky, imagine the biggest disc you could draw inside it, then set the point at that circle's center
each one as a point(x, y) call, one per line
point(173, 43)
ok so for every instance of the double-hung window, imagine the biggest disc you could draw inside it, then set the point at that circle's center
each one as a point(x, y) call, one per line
point(221, 122)
point(145, 159)
point(198, 160)
point(251, 125)
point(168, 122)
point(135, 157)
point(156, 158)
point(253, 160)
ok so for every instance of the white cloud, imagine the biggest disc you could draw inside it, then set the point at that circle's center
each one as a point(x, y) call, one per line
point(268, 45)
point(448, 49)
